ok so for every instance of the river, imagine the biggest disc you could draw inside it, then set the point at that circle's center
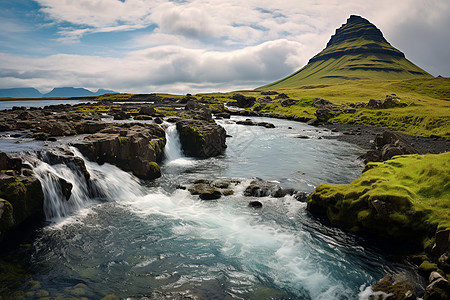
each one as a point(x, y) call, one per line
point(153, 240)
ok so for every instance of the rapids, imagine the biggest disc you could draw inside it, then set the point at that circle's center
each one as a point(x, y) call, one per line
point(118, 235)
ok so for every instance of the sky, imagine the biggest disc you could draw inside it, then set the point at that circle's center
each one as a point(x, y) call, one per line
point(182, 46)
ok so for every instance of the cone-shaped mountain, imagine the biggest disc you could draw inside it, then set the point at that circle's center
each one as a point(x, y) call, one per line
point(357, 51)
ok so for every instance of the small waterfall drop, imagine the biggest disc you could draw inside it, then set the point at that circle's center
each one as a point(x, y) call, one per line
point(172, 151)
point(53, 178)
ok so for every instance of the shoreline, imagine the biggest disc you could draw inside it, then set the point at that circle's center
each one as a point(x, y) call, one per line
point(363, 136)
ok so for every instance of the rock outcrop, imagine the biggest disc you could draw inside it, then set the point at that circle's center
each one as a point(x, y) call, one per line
point(387, 145)
point(132, 147)
point(201, 138)
point(21, 195)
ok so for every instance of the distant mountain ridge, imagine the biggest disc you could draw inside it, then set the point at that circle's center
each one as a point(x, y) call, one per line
point(357, 51)
point(61, 92)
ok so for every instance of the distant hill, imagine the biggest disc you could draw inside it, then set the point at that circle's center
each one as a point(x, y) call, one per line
point(20, 93)
point(56, 93)
point(74, 92)
point(357, 51)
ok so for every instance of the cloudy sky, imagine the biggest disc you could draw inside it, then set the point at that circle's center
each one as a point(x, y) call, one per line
point(182, 46)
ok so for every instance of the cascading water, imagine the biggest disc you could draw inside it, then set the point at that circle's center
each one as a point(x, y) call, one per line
point(139, 240)
point(173, 154)
point(53, 178)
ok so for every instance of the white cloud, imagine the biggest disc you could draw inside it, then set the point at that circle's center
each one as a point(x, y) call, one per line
point(153, 68)
point(215, 44)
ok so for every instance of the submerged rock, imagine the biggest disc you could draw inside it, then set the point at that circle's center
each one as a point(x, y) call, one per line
point(255, 204)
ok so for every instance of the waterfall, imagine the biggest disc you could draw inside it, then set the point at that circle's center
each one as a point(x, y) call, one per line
point(172, 151)
point(57, 202)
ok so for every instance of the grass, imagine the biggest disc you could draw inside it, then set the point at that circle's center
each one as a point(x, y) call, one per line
point(413, 189)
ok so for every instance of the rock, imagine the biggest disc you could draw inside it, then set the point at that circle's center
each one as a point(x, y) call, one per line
point(255, 204)
point(66, 188)
point(10, 163)
point(242, 101)
point(288, 102)
point(147, 110)
point(301, 196)
point(282, 96)
point(442, 243)
point(260, 188)
point(21, 196)
point(396, 286)
point(158, 120)
point(201, 138)
point(387, 145)
point(205, 191)
point(266, 124)
point(137, 152)
point(390, 102)
point(438, 288)
point(444, 262)
point(313, 122)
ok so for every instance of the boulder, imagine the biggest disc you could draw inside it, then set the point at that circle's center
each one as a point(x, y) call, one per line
point(442, 243)
point(396, 287)
point(242, 101)
point(134, 147)
point(390, 102)
point(201, 138)
point(438, 287)
point(261, 188)
point(255, 204)
point(21, 196)
point(387, 145)
point(205, 191)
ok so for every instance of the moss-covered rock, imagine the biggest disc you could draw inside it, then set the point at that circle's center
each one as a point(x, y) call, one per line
point(397, 286)
point(201, 138)
point(407, 197)
point(132, 147)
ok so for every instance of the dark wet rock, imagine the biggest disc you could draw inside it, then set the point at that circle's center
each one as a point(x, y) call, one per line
point(198, 110)
point(201, 138)
point(302, 137)
point(255, 204)
point(158, 120)
point(301, 196)
point(442, 243)
point(261, 188)
point(396, 287)
point(205, 191)
point(66, 188)
point(137, 152)
point(63, 156)
point(438, 287)
point(21, 195)
point(250, 122)
point(387, 145)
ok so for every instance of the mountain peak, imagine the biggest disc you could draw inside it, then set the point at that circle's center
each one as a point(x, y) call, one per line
point(357, 51)
point(355, 28)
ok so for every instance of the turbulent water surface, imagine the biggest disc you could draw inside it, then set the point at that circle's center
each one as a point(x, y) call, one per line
point(136, 239)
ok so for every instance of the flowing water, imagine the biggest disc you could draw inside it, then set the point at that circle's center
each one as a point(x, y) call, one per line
point(118, 235)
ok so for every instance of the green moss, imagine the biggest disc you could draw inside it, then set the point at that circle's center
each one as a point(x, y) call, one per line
point(388, 199)
point(427, 267)
point(122, 140)
point(154, 170)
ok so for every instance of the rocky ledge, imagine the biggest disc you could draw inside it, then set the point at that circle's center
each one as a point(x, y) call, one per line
point(21, 195)
point(200, 138)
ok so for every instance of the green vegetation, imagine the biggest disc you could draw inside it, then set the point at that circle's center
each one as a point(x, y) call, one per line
point(122, 140)
point(113, 97)
point(407, 197)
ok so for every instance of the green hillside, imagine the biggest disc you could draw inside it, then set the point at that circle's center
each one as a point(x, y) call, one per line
point(358, 51)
